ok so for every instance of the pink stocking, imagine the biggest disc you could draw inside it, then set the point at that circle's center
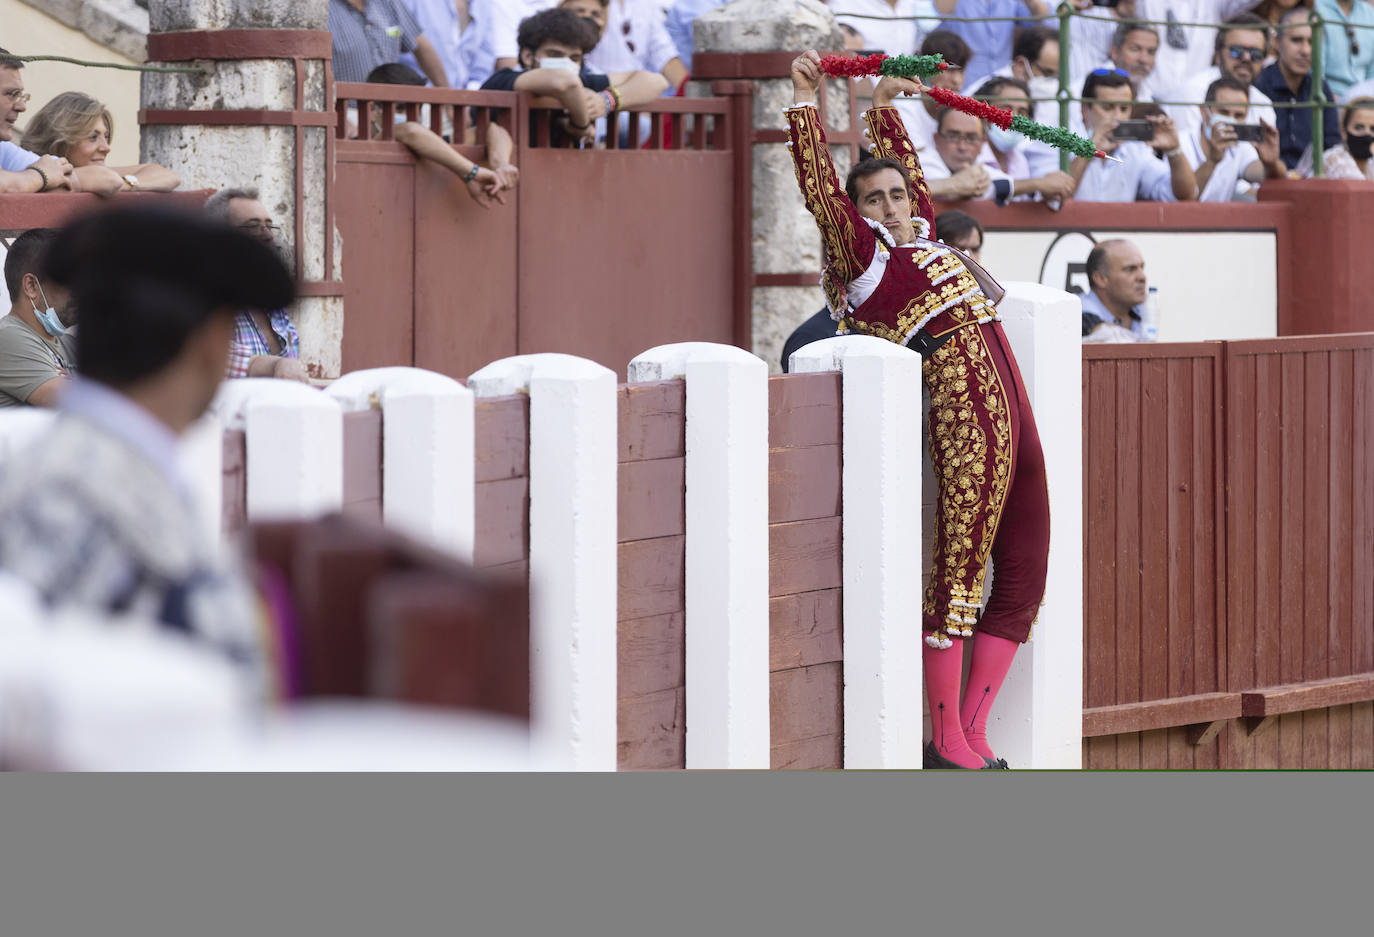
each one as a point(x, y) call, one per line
point(991, 661)
point(943, 668)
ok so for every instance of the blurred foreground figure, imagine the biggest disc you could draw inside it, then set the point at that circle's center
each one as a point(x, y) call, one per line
point(96, 514)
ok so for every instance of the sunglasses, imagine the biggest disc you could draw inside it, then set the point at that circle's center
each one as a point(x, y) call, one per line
point(1099, 72)
point(1354, 42)
point(1245, 52)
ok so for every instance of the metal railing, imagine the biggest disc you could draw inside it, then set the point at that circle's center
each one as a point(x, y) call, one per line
point(1317, 103)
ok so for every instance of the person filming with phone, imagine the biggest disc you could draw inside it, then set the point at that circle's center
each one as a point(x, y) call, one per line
point(1139, 175)
point(1227, 149)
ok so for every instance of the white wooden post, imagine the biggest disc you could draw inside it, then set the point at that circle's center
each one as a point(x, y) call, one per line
point(1038, 718)
point(727, 548)
point(294, 442)
point(201, 459)
point(882, 546)
point(427, 451)
point(573, 561)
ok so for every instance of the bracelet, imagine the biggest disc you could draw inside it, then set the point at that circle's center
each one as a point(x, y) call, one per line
point(615, 94)
point(611, 103)
point(42, 175)
point(1176, 151)
point(472, 173)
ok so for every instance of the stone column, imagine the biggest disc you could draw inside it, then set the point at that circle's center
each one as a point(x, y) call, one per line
point(785, 241)
point(260, 115)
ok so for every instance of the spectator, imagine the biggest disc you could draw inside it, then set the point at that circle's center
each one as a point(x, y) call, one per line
point(1117, 290)
point(552, 45)
point(1035, 63)
point(891, 26)
point(1271, 11)
point(1349, 50)
point(634, 38)
point(1290, 79)
point(457, 30)
point(265, 344)
point(368, 33)
point(1107, 99)
point(1090, 35)
point(953, 170)
point(37, 350)
point(80, 129)
point(1218, 159)
point(20, 170)
point(918, 116)
point(97, 515)
point(1006, 149)
point(960, 231)
point(678, 21)
point(483, 185)
point(1238, 52)
point(1134, 47)
point(990, 42)
point(1349, 160)
point(1186, 50)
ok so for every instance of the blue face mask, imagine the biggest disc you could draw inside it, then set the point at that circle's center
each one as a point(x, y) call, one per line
point(51, 324)
point(1004, 141)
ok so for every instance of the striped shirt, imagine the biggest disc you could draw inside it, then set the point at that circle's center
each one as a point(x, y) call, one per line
point(362, 41)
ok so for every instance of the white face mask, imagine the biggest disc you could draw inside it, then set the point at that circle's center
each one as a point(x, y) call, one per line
point(51, 324)
point(1043, 87)
point(561, 62)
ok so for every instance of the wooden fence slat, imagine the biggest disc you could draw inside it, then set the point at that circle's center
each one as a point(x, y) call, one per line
point(653, 421)
point(1340, 571)
point(805, 628)
point(804, 556)
point(804, 483)
point(362, 464)
point(650, 499)
point(651, 731)
point(1128, 482)
point(804, 410)
point(651, 577)
point(1315, 611)
point(1292, 557)
point(1099, 546)
point(1362, 514)
point(501, 437)
point(651, 654)
point(1241, 497)
point(1183, 495)
point(501, 514)
point(806, 717)
point(1266, 512)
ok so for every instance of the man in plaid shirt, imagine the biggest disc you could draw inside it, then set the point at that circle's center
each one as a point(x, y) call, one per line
point(265, 343)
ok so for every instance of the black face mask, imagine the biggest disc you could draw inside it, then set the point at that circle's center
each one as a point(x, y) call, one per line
point(1359, 146)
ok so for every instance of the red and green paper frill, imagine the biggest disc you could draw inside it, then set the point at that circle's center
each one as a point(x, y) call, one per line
point(925, 66)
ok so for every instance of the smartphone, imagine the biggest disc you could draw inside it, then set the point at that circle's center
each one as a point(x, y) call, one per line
point(1134, 130)
point(1249, 133)
point(1105, 3)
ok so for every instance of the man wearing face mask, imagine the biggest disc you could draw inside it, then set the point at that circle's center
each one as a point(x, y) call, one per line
point(1007, 151)
point(1218, 159)
point(552, 46)
point(37, 350)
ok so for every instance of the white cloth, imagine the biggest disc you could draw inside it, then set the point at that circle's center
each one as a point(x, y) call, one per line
point(898, 32)
point(1141, 176)
point(504, 17)
point(1337, 163)
point(920, 126)
point(933, 167)
point(635, 39)
point(1364, 89)
point(1221, 187)
point(14, 158)
point(1090, 41)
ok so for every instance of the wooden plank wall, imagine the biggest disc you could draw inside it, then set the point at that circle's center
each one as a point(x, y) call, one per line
point(1154, 626)
point(651, 643)
point(806, 690)
point(1301, 540)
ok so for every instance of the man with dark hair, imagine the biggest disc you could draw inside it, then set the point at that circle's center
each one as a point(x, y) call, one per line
point(961, 230)
point(97, 514)
point(918, 115)
point(20, 170)
point(553, 44)
point(1186, 49)
point(1107, 100)
point(37, 348)
point(1117, 290)
point(1009, 153)
point(1289, 80)
point(1218, 159)
point(1238, 53)
point(885, 276)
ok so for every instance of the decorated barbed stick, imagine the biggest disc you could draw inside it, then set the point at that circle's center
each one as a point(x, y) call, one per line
point(924, 66)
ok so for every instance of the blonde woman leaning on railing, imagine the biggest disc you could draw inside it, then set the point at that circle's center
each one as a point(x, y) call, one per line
point(1349, 159)
point(79, 128)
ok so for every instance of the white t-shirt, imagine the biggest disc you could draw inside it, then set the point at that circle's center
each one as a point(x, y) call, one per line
point(635, 39)
point(14, 157)
point(895, 36)
point(933, 167)
point(1140, 176)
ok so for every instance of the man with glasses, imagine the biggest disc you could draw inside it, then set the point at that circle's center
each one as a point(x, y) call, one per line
point(953, 170)
point(265, 344)
point(1238, 53)
point(1289, 80)
point(1140, 175)
point(1183, 49)
point(1349, 47)
point(20, 170)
